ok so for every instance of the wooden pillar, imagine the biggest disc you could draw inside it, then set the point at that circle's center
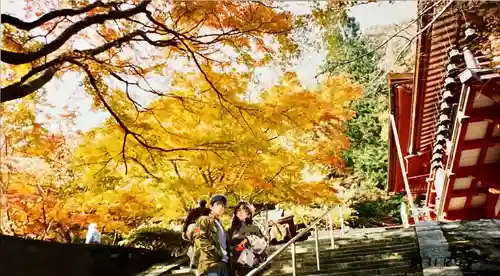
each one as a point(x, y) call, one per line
point(490, 206)
point(403, 169)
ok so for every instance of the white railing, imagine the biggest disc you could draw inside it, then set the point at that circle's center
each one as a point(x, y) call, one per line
point(291, 242)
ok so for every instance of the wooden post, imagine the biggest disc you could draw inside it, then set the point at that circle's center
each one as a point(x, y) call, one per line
point(266, 220)
point(341, 216)
point(404, 215)
point(403, 169)
point(332, 239)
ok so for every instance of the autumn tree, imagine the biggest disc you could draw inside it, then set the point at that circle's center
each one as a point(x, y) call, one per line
point(257, 158)
point(197, 134)
point(32, 171)
point(36, 198)
point(136, 41)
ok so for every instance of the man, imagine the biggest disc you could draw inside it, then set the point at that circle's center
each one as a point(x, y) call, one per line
point(195, 213)
point(211, 240)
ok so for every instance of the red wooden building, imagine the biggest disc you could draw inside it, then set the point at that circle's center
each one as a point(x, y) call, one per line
point(445, 117)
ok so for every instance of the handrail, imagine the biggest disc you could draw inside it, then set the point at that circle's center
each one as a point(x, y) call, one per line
point(292, 242)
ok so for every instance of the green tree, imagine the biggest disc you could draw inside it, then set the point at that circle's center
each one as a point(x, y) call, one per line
point(349, 52)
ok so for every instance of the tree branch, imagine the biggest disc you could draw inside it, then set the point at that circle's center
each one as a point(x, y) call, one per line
point(381, 44)
point(23, 25)
point(21, 58)
point(138, 137)
point(123, 152)
point(145, 168)
point(422, 30)
point(278, 172)
point(19, 90)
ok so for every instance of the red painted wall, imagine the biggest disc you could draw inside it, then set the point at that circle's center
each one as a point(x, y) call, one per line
point(403, 117)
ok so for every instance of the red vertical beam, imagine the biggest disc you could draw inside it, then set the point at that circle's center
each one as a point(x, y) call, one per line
point(421, 72)
point(491, 202)
point(404, 117)
point(470, 193)
point(480, 161)
point(454, 164)
point(403, 170)
point(446, 196)
point(428, 194)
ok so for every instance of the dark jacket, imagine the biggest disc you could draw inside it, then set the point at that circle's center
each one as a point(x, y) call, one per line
point(206, 240)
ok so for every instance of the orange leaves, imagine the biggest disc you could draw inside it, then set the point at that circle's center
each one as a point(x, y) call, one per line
point(69, 115)
point(109, 33)
point(96, 11)
point(37, 126)
point(239, 25)
point(261, 183)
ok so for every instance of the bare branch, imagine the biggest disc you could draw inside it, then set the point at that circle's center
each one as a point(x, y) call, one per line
point(21, 58)
point(23, 25)
point(19, 89)
point(423, 29)
point(123, 152)
point(145, 169)
point(381, 44)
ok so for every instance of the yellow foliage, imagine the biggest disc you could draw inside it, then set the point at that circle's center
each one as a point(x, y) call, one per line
point(253, 151)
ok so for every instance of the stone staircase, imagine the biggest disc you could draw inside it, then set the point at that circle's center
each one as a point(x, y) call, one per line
point(474, 246)
point(374, 251)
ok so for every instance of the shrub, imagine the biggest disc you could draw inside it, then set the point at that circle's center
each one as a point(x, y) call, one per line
point(157, 238)
point(374, 208)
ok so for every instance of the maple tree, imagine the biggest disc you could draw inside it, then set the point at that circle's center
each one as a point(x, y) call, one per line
point(36, 198)
point(257, 158)
point(197, 136)
point(195, 30)
point(137, 41)
point(30, 174)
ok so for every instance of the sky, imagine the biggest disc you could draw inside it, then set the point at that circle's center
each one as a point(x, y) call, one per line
point(68, 91)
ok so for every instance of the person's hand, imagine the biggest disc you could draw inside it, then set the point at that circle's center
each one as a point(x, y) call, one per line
point(241, 246)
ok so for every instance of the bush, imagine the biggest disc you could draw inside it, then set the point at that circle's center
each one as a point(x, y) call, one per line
point(374, 208)
point(157, 238)
point(307, 215)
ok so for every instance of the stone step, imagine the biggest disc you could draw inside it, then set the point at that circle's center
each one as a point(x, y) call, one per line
point(394, 270)
point(353, 252)
point(405, 274)
point(408, 250)
point(311, 259)
point(340, 267)
point(406, 270)
point(181, 272)
point(368, 232)
point(375, 251)
point(160, 269)
point(482, 273)
point(359, 245)
point(355, 240)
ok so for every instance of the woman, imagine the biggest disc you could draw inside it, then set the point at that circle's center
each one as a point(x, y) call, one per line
point(247, 241)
